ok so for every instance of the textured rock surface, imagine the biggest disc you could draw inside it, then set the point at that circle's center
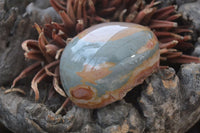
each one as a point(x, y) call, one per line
point(180, 2)
point(40, 11)
point(172, 103)
point(196, 51)
point(160, 102)
point(12, 35)
point(190, 87)
point(174, 2)
point(20, 4)
point(12, 23)
point(191, 12)
point(36, 117)
point(169, 103)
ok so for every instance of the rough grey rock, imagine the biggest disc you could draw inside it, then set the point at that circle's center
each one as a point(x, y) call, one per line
point(181, 2)
point(35, 117)
point(12, 25)
point(165, 3)
point(20, 4)
point(38, 118)
point(160, 102)
point(196, 51)
point(172, 103)
point(190, 86)
point(168, 103)
point(42, 4)
point(12, 35)
point(113, 114)
point(191, 12)
point(40, 11)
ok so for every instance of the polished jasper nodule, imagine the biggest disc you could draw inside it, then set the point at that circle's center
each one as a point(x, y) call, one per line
point(102, 63)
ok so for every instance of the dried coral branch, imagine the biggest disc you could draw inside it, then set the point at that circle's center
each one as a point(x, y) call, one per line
point(15, 90)
point(55, 63)
point(38, 78)
point(56, 79)
point(25, 72)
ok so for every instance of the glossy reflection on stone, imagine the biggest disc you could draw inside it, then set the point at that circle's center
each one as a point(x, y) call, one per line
point(102, 63)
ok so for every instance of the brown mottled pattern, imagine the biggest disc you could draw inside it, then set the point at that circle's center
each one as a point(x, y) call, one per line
point(92, 73)
point(82, 93)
